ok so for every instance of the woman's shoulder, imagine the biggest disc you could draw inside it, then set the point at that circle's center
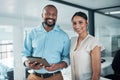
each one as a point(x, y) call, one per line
point(93, 41)
point(92, 38)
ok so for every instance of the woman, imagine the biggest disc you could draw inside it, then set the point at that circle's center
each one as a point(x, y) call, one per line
point(85, 51)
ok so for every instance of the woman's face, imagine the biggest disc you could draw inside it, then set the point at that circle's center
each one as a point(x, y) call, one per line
point(79, 24)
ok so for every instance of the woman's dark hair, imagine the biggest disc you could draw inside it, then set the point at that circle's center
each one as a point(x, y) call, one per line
point(81, 14)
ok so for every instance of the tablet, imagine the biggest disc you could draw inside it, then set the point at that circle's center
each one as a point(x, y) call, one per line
point(39, 60)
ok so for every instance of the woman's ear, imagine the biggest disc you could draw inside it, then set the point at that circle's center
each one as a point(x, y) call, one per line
point(87, 23)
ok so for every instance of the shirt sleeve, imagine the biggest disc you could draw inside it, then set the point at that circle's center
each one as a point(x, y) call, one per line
point(94, 43)
point(66, 51)
point(27, 47)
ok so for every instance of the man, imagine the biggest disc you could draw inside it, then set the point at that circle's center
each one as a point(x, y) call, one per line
point(115, 67)
point(50, 42)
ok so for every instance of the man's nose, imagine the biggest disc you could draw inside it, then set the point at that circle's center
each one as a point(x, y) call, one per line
point(51, 16)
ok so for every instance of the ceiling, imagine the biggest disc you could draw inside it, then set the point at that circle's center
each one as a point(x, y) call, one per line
point(27, 13)
point(101, 6)
point(31, 8)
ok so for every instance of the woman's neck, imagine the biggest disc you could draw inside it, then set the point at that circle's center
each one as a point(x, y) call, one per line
point(82, 36)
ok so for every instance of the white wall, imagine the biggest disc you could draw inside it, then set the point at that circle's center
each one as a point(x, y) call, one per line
point(19, 71)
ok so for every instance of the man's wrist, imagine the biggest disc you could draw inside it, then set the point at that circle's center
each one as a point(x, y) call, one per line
point(62, 65)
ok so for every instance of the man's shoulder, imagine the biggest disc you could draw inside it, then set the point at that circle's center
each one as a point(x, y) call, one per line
point(32, 31)
point(36, 28)
point(62, 31)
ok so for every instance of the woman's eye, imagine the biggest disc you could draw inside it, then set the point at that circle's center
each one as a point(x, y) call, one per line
point(74, 23)
point(80, 22)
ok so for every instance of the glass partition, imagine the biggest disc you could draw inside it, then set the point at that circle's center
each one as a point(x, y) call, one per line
point(107, 31)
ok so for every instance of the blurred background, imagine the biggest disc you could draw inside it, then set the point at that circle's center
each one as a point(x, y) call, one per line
point(17, 17)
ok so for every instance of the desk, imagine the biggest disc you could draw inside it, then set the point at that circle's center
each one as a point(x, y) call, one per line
point(107, 63)
point(101, 78)
point(106, 68)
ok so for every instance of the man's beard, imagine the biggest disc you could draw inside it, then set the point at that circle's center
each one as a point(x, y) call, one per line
point(49, 24)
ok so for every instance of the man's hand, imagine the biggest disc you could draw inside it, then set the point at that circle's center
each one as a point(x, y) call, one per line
point(54, 67)
point(33, 65)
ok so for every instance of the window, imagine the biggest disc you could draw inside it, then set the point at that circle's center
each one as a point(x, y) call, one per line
point(6, 49)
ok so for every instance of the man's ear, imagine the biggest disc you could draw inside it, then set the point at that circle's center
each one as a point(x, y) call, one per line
point(42, 15)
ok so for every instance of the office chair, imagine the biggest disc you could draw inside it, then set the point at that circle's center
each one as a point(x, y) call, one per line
point(115, 67)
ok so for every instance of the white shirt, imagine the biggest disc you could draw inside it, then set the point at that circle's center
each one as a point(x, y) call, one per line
point(80, 58)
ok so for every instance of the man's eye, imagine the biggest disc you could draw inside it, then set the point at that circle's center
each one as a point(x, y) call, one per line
point(47, 14)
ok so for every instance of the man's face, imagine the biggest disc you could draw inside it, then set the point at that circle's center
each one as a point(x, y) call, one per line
point(49, 16)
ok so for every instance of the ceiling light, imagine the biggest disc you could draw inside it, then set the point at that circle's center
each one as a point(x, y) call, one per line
point(113, 12)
